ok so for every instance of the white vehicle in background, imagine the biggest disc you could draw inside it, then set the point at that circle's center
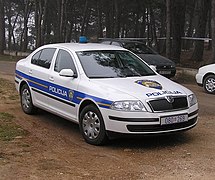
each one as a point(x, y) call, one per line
point(206, 78)
point(104, 89)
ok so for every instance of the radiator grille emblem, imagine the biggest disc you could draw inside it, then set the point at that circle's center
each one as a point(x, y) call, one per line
point(170, 99)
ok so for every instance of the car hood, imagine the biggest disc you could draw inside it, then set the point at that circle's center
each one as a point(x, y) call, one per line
point(156, 59)
point(141, 88)
point(210, 67)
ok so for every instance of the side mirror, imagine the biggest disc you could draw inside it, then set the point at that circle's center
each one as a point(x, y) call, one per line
point(153, 67)
point(67, 73)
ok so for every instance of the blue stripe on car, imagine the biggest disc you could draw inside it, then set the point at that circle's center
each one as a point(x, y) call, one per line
point(60, 91)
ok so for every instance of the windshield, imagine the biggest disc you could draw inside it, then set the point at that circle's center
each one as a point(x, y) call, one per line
point(138, 48)
point(111, 64)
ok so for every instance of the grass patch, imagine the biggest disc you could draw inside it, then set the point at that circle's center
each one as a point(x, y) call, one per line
point(8, 129)
point(6, 117)
point(184, 78)
point(9, 58)
point(8, 90)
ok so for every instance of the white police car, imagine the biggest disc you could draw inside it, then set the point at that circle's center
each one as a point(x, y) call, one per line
point(206, 78)
point(105, 89)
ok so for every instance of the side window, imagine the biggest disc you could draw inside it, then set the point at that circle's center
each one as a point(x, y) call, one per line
point(105, 42)
point(115, 43)
point(64, 61)
point(43, 58)
point(35, 58)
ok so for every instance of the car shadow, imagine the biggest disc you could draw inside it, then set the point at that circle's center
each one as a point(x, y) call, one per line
point(126, 142)
point(153, 141)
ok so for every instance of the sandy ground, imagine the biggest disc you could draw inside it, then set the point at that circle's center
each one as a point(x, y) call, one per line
point(54, 148)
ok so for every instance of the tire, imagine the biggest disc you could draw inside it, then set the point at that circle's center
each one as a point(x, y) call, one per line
point(92, 126)
point(26, 100)
point(209, 84)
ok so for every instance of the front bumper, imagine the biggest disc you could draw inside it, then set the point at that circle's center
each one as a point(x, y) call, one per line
point(147, 122)
point(199, 79)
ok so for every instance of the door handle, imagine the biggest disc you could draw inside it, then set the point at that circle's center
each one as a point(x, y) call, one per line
point(30, 71)
point(51, 78)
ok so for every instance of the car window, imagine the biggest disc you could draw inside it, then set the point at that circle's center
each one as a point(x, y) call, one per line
point(64, 61)
point(138, 48)
point(105, 42)
point(34, 59)
point(43, 58)
point(110, 64)
point(116, 43)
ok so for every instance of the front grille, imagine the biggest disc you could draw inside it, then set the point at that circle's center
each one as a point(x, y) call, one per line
point(164, 67)
point(160, 105)
point(157, 128)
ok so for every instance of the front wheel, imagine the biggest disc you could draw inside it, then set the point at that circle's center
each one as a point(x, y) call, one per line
point(26, 100)
point(92, 126)
point(209, 84)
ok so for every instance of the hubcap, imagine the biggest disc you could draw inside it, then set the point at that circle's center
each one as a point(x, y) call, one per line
point(210, 85)
point(91, 125)
point(26, 99)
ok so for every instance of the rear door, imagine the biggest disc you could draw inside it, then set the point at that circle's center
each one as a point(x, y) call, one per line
point(38, 73)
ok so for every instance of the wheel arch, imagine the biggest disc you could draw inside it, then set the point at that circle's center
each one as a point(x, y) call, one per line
point(21, 84)
point(206, 75)
point(85, 103)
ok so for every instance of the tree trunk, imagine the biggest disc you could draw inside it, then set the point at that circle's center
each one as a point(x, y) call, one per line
point(213, 29)
point(83, 24)
point(178, 12)
point(117, 19)
point(148, 28)
point(2, 27)
point(70, 20)
point(25, 33)
point(201, 29)
point(99, 18)
point(38, 20)
point(191, 8)
point(153, 28)
point(87, 21)
point(14, 24)
point(9, 16)
point(45, 24)
point(143, 23)
point(136, 28)
point(168, 28)
point(61, 21)
point(209, 29)
point(109, 20)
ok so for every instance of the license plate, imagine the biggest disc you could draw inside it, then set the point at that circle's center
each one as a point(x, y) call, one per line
point(165, 72)
point(174, 119)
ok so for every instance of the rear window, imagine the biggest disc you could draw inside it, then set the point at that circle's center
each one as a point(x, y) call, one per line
point(43, 58)
point(138, 48)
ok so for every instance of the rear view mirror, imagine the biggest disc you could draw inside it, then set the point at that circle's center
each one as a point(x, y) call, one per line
point(153, 67)
point(67, 73)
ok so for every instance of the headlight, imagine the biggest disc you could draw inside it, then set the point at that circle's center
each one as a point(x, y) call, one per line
point(128, 106)
point(192, 99)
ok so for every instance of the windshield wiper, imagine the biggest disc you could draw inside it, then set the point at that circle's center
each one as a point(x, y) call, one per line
point(133, 75)
point(100, 77)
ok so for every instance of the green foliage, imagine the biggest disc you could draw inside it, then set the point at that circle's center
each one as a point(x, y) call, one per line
point(8, 129)
point(9, 58)
point(7, 90)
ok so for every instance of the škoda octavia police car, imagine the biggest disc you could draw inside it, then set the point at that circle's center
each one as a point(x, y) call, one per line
point(104, 89)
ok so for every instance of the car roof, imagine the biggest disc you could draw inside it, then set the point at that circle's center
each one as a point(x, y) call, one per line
point(122, 40)
point(83, 46)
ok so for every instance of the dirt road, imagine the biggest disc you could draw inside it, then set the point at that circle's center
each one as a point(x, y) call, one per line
point(54, 148)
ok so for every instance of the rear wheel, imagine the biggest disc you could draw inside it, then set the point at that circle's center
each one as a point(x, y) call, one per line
point(92, 126)
point(26, 100)
point(209, 84)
